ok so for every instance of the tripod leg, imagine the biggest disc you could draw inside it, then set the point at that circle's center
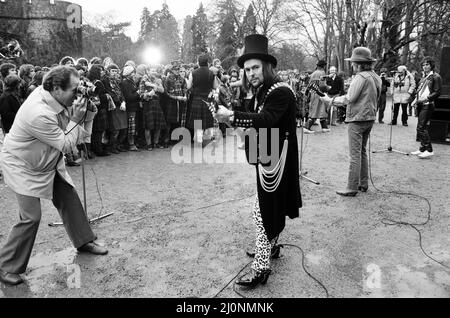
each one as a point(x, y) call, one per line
point(309, 179)
point(84, 180)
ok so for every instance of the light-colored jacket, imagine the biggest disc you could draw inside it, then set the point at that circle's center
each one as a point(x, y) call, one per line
point(317, 108)
point(403, 87)
point(362, 97)
point(33, 150)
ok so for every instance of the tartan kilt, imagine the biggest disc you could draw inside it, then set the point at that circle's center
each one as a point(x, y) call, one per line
point(153, 115)
point(101, 120)
point(200, 111)
point(172, 111)
point(117, 119)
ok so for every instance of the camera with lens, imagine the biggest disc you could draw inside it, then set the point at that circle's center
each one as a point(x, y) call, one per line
point(87, 91)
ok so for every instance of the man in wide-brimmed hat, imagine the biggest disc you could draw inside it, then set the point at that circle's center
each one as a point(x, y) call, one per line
point(273, 106)
point(362, 101)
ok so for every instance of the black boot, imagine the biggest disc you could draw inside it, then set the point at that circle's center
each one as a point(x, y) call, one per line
point(90, 154)
point(255, 279)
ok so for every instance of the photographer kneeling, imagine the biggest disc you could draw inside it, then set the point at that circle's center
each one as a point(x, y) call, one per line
point(34, 168)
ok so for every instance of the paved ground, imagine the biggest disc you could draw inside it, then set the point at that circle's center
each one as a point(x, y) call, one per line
point(170, 236)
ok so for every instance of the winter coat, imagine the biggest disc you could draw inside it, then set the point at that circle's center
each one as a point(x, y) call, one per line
point(131, 94)
point(404, 86)
point(276, 110)
point(9, 106)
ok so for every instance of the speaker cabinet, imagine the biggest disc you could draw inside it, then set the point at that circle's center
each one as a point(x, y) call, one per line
point(440, 132)
point(440, 120)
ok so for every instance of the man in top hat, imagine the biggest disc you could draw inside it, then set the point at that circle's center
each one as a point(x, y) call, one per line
point(272, 115)
point(362, 101)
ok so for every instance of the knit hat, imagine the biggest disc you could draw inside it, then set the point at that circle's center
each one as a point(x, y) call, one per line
point(112, 66)
point(96, 60)
point(66, 59)
point(141, 69)
point(128, 70)
point(127, 63)
point(402, 68)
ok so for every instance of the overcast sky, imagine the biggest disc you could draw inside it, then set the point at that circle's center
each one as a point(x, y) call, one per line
point(130, 10)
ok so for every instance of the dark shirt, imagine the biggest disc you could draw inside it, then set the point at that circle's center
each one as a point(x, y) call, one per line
point(9, 106)
point(202, 81)
point(131, 94)
point(385, 84)
point(337, 86)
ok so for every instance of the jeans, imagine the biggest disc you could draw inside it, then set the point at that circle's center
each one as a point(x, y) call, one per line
point(424, 114)
point(358, 135)
point(404, 113)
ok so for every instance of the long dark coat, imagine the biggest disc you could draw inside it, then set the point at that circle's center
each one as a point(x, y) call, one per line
point(279, 111)
point(9, 106)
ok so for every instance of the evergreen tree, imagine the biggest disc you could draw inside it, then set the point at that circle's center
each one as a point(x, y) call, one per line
point(161, 29)
point(199, 31)
point(145, 19)
point(249, 22)
point(226, 42)
point(187, 53)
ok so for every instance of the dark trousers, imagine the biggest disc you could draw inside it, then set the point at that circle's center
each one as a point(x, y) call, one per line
point(424, 116)
point(381, 107)
point(323, 123)
point(404, 113)
point(117, 137)
point(15, 255)
point(96, 141)
point(167, 133)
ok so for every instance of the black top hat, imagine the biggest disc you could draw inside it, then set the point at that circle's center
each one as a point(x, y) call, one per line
point(256, 47)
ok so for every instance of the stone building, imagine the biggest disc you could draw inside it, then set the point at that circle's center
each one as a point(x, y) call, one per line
point(46, 29)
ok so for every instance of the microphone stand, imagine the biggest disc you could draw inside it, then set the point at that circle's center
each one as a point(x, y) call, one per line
point(389, 148)
point(304, 173)
point(91, 221)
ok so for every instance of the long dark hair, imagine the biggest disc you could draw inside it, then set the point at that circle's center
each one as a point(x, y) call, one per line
point(95, 73)
point(270, 76)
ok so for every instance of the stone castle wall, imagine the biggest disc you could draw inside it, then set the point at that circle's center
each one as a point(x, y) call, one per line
point(42, 28)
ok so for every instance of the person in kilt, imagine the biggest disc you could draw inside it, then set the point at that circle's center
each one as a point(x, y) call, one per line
point(175, 89)
point(117, 118)
point(101, 119)
point(132, 99)
point(201, 82)
point(150, 89)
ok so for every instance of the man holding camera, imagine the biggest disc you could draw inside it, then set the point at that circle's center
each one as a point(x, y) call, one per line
point(404, 86)
point(382, 100)
point(34, 168)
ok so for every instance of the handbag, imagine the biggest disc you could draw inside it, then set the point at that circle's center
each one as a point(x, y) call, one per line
point(111, 104)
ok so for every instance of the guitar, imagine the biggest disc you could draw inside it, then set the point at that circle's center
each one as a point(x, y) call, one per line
point(314, 86)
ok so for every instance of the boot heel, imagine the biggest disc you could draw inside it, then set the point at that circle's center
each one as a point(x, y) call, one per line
point(276, 252)
point(265, 278)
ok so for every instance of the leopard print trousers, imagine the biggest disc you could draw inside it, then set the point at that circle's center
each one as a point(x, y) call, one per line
point(263, 245)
